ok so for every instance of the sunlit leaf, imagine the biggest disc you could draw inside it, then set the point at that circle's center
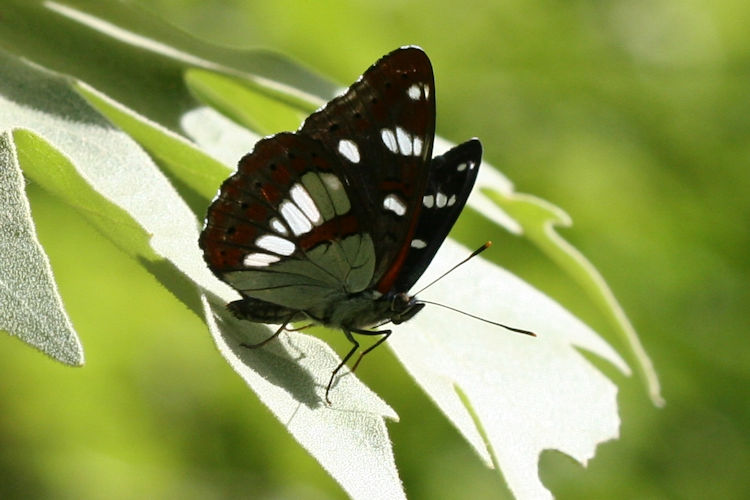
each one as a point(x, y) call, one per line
point(538, 219)
point(30, 306)
point(525, 394)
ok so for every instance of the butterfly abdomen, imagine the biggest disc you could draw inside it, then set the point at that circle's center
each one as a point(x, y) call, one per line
point(261, 311)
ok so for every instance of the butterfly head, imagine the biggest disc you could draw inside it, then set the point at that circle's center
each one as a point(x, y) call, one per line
point(403, 307)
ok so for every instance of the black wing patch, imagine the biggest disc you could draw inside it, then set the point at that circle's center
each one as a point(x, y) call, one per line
point(383, 128)
point(451, 179)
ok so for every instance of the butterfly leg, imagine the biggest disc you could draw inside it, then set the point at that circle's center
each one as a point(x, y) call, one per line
point(384, 333)
point(343, 362)
point(264, 342)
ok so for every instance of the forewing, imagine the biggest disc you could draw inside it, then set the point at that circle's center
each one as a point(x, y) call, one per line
point(283, 228)
point(451, 179)
point(382, 131)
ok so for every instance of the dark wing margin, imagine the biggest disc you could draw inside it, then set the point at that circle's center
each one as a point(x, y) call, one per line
point(451, 179)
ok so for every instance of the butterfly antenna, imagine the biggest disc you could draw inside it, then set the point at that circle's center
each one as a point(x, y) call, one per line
point(467, 259)
point(517, 330)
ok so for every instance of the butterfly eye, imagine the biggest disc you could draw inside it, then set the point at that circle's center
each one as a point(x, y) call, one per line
point(400, 302)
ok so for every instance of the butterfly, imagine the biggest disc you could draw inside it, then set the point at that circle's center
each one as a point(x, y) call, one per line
point(335, 222)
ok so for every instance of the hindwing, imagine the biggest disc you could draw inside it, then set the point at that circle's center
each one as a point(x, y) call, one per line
point(452, 176)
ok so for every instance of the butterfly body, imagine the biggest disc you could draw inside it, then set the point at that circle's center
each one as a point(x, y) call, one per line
point(353, 312)
point(335, 223)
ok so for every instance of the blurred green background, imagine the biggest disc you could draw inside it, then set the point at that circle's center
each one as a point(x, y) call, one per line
point(634, 116)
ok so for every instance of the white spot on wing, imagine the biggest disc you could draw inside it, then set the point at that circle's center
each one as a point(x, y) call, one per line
point(404, 141)
point(461, 167)
point(389, 139)
point(428, 201)
point(417, 146)
point(294, 218)
point(259, 259)
point(452, 200)
point(414, 92)
point(275, 244)
point(415, 243)
point(279, 226)
point(426, 89)
point(349, 150)
point(394, 204)
point(441, 200)
point(302, 198)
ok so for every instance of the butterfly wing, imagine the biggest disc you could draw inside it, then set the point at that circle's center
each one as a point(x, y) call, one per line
point(382, 129)
point(451, 179)
point(342, 205)
point(284, 230)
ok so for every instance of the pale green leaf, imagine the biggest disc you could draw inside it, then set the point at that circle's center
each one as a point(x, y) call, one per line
point(522, 394)
point(538, 219)
point(240, 102)
point(30, 305)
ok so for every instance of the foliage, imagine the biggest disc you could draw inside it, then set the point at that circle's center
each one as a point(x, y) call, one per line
point(153, 86)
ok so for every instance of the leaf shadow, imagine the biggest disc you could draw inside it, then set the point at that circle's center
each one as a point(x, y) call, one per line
point(278, 362)
point(174, 280)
